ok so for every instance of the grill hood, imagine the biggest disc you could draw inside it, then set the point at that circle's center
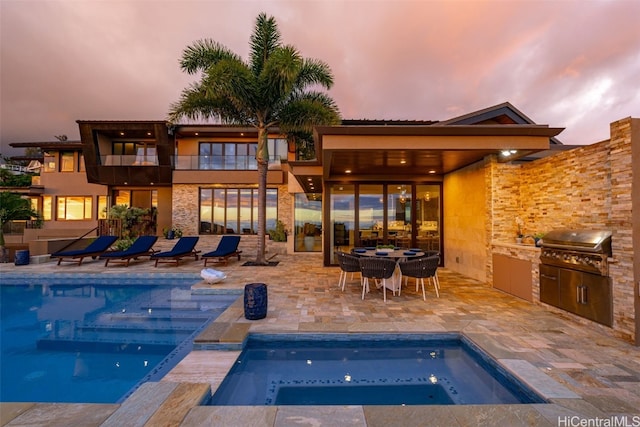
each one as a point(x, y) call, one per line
point(579, 240)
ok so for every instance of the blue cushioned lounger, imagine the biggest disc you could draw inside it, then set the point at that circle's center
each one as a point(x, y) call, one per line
point(94, 249)
point(184, 247)
point(140, 247)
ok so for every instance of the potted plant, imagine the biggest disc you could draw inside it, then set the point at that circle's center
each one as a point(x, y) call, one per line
point(172, 233)
point(279, 234)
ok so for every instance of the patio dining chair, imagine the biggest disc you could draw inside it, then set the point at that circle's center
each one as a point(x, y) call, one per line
point(377, 268)
point(421, 268)
point(348, 264)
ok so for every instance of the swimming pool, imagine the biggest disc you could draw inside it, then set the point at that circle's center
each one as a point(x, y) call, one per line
point(94, 339)
point(368, 369)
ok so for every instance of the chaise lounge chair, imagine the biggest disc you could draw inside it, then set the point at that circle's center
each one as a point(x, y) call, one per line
point(94, 249)
point(184, 247)
point(141, 247)
point(227, 247)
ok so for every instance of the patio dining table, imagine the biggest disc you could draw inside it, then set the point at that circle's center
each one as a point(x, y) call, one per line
point(398, 254)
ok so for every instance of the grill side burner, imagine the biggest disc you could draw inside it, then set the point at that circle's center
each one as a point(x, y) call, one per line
point(574, 273)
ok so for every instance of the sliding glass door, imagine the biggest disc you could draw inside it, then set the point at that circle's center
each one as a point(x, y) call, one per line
point(400, 214)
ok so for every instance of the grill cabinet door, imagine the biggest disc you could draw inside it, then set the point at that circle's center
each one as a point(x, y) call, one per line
point(549, 285)
point(587, 295)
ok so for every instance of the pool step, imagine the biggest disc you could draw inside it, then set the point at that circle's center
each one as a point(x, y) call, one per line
point(93, 338)
point(157, 321)
point(104, 346)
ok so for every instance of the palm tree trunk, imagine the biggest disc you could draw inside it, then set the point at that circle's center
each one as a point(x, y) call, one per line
point(262, 156)
point(4, 253)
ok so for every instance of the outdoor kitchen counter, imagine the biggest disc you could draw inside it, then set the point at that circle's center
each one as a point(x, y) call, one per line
point(515, 269)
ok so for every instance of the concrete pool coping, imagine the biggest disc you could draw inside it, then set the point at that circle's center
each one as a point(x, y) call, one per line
point(603, 371)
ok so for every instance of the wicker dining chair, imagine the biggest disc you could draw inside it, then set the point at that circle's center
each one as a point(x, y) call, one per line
point(377, 268)
point(348, 264)
point(422, 268)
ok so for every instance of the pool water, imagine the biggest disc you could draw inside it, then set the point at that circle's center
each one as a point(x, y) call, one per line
point(362, 369)
point(97, 341)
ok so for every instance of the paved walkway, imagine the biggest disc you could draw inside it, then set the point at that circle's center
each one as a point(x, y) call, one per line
point(583, 372)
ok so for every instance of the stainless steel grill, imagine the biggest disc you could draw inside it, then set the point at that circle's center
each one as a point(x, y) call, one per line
point(583, 250)
point(574, 273)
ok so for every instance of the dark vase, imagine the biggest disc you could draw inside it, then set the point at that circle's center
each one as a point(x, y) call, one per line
point(171, 235)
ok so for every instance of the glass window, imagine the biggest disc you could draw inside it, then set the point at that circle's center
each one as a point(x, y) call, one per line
point(205, 161)
point(66, 161)
point(102, 207)
point(428, 220)
point(35, 203)
point(277, 148)
point(74, 208)
point(81, 167)
point(371, 215)
point(49, 162)
point(233, 210)
point(227, 156)
point(206, 210)
point(342, 218)
point(245, 214)
point(122, 197)
point(308, 222)
point(47, 207)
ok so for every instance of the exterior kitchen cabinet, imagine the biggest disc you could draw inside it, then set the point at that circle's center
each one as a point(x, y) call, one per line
point(584, 294)
point(512, 275)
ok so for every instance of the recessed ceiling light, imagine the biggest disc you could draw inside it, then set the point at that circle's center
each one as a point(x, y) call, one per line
point(347, 171)
point(432, 171)
point(196, 134)
point(121, 133)
point(402, 162)
point(308, 179)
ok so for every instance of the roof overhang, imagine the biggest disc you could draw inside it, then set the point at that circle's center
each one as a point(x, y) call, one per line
point(387, 153)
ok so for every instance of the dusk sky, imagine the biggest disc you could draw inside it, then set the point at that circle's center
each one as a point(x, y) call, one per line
point(571, 64)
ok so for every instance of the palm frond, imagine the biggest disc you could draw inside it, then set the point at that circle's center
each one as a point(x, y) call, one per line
point(234, 82)
point(303, 111)
point(315, 72)
point(278, 78)
point(204, 53)
point(264, 40)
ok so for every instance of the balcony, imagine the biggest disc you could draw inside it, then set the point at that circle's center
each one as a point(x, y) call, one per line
point(223, 163)
point(129, 160)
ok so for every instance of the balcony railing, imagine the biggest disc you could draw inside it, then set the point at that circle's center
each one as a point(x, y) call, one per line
point(129, 160)
point(222, 163)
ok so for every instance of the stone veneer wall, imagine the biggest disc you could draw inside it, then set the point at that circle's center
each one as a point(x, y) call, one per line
point(185, 213)
point(587, 187)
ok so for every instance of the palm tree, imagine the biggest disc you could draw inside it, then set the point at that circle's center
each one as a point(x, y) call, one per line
point(275, 88)
point(12, 207)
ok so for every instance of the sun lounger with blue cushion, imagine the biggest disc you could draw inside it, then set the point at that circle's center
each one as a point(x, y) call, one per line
point(95, 248)
point(227, 247)
point(184, 247)
point(140, 247)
